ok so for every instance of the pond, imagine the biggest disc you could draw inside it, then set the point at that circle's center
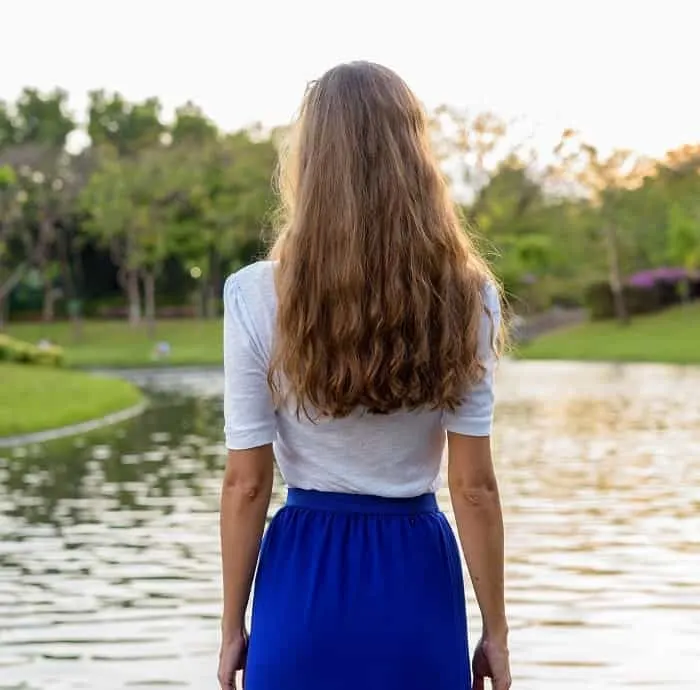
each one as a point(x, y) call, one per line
point(109, 570)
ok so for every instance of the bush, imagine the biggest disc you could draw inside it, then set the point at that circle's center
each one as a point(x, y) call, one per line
point(639, 300)
point(13, 350)
point(673, 283)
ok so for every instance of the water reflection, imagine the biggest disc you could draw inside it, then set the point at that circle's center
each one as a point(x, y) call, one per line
point(109, 571)
point(129, 467)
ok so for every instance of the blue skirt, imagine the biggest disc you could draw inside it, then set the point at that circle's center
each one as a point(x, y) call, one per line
point(358, 593)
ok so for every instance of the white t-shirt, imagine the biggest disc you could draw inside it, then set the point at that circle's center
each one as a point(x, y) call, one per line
point(394, 455)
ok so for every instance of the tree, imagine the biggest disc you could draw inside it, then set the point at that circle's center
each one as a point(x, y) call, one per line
point(127, 138)
point(49, 186)
point(228, 198)
point(191, 126)
point(471, 145)
point(505, 213)
point(679, 179)
point(37, 129)
point(43, 119)
point(11, 273)
point(133, 205)
point(154, 195)
point(603, 181)
point(684, 235)
point(108, 200)
point(8, 133)
point(122, 126)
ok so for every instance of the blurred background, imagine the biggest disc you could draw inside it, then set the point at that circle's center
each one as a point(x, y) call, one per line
point(137, 145)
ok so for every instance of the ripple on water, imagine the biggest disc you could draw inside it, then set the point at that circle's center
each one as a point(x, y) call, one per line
point(109, 567)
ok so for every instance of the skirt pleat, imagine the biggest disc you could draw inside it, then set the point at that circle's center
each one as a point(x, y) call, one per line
point(358, 593)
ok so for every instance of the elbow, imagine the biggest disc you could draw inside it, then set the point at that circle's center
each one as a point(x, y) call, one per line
point(477, 499)
point(246, 489)
point(248, 477)
point(477, 496)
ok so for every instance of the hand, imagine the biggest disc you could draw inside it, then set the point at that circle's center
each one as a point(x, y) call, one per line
point(491, 661)
point(232, 658)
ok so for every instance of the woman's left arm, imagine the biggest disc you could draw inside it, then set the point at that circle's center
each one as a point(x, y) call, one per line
point(245, 499)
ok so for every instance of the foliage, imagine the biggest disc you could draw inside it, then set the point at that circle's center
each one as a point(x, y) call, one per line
point(639, 300)
point(162, 211)
point(645, 292)
point(13, 350)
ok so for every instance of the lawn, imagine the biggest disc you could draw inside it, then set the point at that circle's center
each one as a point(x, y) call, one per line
point(672, 336)
point(36, 398)
point(115, 343)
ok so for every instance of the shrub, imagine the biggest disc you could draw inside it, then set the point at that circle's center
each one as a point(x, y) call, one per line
point(13, 350)
point(639, 300)
point(673, 283)
point(599, 300)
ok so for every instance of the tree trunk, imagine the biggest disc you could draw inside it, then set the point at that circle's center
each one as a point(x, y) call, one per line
point(45, 238)
point(209, 300)
point(121, 252)
point(616, 283)
point(48, 310)
point(205, 284)
point(213, 286)
point(71, 293)
point(9, 285)
point(6, 287)
point(200, 299)
point(133, 295)
point(149, 289)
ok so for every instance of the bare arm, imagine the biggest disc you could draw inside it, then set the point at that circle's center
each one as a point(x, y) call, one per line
point(477, 507)
point(245, 498)
point(250, 428)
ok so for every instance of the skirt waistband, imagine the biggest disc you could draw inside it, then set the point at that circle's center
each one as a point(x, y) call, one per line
point(361, 503)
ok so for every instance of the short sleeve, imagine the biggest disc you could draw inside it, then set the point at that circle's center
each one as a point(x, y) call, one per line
point(474, 417)
point(249, 414)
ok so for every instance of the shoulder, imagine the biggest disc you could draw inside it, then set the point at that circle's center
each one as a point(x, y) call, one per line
point(491, 297)
point(251, 279)
point(491, 318)
point(253, 285)
point(250, 301)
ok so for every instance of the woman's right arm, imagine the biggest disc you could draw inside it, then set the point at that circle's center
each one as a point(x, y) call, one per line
point(477, 505)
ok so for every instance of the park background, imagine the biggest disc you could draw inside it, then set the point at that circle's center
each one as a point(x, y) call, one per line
point(137, 149)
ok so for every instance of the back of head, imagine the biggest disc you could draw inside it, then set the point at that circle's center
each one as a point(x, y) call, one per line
point(379, 287)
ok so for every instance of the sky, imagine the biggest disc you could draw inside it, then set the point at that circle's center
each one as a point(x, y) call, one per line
point(624, 73)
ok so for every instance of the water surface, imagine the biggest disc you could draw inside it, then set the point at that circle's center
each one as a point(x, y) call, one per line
point(109, 570)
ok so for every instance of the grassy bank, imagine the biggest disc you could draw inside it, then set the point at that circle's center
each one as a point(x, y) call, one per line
point(115, 343)
point(34, 398)
point(672, 336)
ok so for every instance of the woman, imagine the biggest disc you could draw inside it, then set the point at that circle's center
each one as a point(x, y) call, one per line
point(371, 333)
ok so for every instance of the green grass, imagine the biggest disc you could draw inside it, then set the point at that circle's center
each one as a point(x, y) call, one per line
point(35, 398)
point(672, 336)
point(115, 343)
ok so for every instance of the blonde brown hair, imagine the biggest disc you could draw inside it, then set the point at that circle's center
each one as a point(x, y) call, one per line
point(380, 290)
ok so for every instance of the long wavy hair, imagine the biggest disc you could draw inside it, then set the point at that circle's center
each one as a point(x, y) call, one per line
point(380, 289)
